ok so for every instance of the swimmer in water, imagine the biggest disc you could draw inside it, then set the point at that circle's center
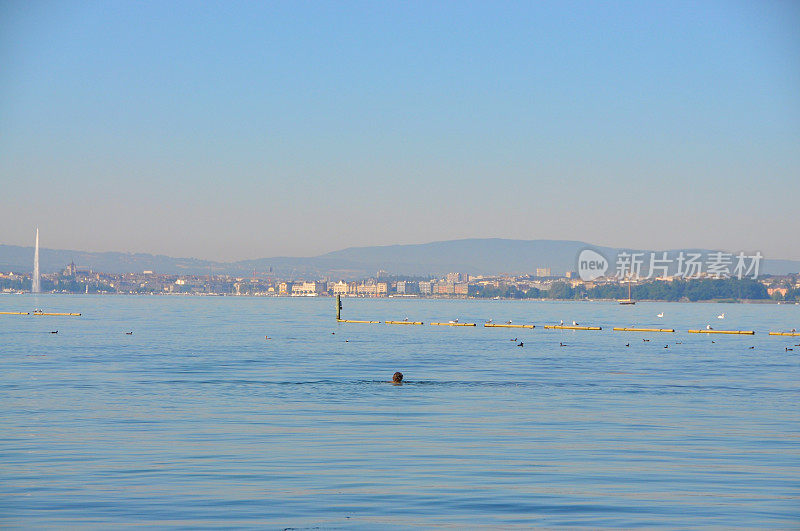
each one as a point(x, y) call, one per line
point(397, 378)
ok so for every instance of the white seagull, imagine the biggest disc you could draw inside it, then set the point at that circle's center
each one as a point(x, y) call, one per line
point(574, 323)
point(660, 315)
point(721, 316)
point(708, 327)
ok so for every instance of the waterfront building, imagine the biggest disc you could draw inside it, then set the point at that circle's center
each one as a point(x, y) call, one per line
point(309, 288)
point(425, 287)
point(406, 287)
point(340, 288)
point(444, 288)
point(382, 289)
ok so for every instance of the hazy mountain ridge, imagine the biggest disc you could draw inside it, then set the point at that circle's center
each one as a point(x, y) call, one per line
point(474, 256)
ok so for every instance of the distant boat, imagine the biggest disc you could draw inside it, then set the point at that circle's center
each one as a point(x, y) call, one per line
point(629, 300)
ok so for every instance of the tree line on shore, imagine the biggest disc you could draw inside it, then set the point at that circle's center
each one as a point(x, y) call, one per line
point(677, 290)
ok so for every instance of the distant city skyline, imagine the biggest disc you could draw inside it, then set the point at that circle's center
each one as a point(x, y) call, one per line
point(231, 131)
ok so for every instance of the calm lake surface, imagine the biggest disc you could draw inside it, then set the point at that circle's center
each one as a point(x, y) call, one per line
point(196, 420)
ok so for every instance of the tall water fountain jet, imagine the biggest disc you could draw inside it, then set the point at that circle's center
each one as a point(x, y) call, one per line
point(35, 285)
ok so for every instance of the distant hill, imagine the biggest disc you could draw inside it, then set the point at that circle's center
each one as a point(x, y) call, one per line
point(473, 256)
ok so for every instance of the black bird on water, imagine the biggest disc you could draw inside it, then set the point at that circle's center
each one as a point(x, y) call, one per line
point(520, 344)
point(561, 345)
point(128, 333)
point(789, 349)
point(751, 348)
point(627, 344)
point(54, 332)
point(666, 346)
point(645, 340)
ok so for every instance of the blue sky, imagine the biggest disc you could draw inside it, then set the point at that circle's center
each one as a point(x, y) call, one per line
point(237, 130)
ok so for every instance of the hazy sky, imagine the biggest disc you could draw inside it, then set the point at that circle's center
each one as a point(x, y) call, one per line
point(239, 130)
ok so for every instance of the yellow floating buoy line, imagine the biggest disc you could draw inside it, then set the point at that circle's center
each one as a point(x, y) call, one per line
point(63, 314)
point(644, 329)
point(509, 325)
point(548, 327)
point(567, 327)
point(737, 332)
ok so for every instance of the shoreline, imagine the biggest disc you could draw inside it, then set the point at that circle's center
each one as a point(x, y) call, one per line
point(405, 298)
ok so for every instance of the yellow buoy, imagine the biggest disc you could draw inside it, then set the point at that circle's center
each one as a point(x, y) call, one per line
point(739, 332)
point(644, 329)
point(565, 327)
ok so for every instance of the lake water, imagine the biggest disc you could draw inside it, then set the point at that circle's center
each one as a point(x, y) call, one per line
point(196, 420)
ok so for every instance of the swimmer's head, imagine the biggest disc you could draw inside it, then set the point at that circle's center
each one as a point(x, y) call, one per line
point(397, 377)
